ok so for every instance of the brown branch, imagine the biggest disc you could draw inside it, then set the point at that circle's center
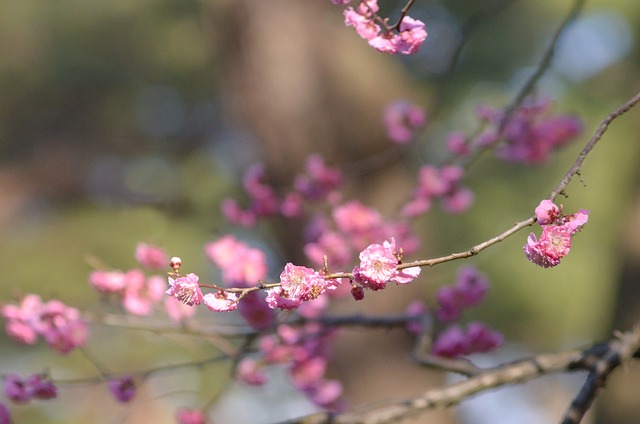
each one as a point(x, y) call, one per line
point(600, 360)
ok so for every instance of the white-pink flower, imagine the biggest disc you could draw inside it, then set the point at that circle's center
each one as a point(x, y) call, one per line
point(299, 282)
point(221, 301)
point(547, 212)
point(378, 262)
point(185, 289)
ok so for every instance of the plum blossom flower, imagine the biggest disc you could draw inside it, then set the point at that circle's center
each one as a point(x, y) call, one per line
point(241, 265)
point(176, 310)
point(557, 232)
point(299, 282)
point(185, 289)
point(151, 256)
point(190, 416)
point(123, 389)
point(251, 372)
point(277, 298)
point(377, 264)
point(547, 212)
point(221, 301)
point(401, 120)
point(455, 342)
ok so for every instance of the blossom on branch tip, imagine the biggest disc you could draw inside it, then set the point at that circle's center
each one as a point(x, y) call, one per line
point(378, 264)
point(185, 289)
point(547, 212)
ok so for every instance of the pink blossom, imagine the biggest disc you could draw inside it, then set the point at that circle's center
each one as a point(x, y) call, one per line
point(458, 200)
point(15, 388)
point(107, 281)
point(326, 394)
point(277, 300)
point(221, 301)
point(320, 180)
point(416, 207)
point(291, 206)
point(250, 372)
point(364, 25)
point(412, 35)
point(236, 215)
point(20, 319)
point(123, 389)
point(185, 289)
point(61, 326)
point(5, 415)
point(457, 144)
point(241, 265)
point(142, 293)
point(451, 343)
point(176, 310)
point(554, 244)
point(151, 257)
point(402, 119)
point(354, 218)
point(299, 282)
point(481, 338)
point(575, 222)
point(190, 416)
point(256, 312)
point(378, 264)
point(406, 275)
point(333, 245)
point(547, 212)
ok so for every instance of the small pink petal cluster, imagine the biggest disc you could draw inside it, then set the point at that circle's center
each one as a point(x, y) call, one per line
point(318, 182)
point(439, 183)
point(36, 386)
point(298, 284)
point(405, 39)
point(123, 389)
point(186, 289)
point(137, 292)
point(379, 265)
point(557, 232)
point(151, 256)
point(530, 136)
point(402, 120)
point(241, 265)
point(455, 342)
point(61, 326)
point(304, 352)
point(469, 290)
point(190, 416)
point(354, 226)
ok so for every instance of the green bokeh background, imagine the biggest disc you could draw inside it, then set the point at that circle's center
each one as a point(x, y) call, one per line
point(73, 77)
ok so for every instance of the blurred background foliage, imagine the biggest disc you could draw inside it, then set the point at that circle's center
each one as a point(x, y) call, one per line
point(127, 121)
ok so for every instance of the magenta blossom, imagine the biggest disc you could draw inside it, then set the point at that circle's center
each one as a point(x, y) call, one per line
point(402, 119)
point(151, 256)
point(554, 244)
point(123, 389)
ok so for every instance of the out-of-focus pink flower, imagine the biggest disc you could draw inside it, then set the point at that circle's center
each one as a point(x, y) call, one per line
point(241, 265)
point(61, 326)
point(482, 339)
point(236, 215)
point(457, 144)
point(451, 343)
point(256, 312)
point(320, 180)
point(107, 281)
point(20, 319)
point(123, 389)
point(190, 416)
point(333, 245)
point(354, 218)
point(418, 310)
point(185, 289)
point(151, 256)
point(402, 119)
point(177, 310)
point(16, 389)
point(221, 301)
point(142, 293)
point(5, 415)
point(250, 372)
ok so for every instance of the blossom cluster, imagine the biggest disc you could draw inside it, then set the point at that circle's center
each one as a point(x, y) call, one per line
point(530, 134)
point(443, 184)
point(558, 230)
point(36, 386)
point(61, 326)
point(138, 292)
point(469, 290)
point(476, 338)
point(405, 38)
point(378, 266)
point(402, 120)
point(319, 182)
point(305, 353)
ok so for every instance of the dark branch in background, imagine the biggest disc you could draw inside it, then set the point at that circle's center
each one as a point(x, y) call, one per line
point(600, 360)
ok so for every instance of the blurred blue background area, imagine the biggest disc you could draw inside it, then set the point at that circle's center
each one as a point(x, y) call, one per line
point(127, 121)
